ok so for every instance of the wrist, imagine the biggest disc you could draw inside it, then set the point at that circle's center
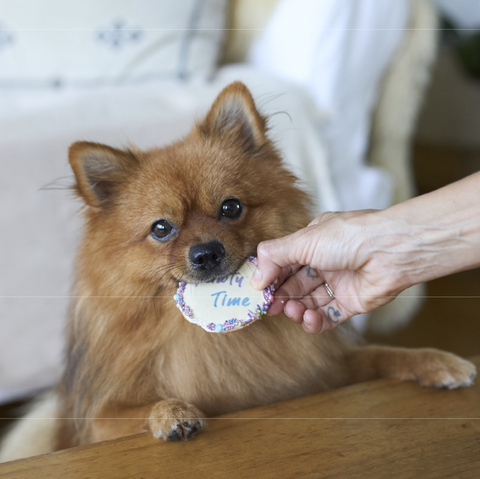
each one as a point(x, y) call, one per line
point(393, 252)
point(430, 236)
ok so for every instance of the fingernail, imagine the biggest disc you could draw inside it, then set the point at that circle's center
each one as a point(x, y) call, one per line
point(256, 279)
point(307, 327)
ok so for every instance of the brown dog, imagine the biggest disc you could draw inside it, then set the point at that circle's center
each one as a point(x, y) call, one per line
point(150, 216)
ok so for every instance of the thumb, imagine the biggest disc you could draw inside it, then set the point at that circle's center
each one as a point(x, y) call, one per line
point(274, 255)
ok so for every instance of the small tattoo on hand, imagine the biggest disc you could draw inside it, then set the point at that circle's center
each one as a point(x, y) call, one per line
point(333, 315)
point(311, 273)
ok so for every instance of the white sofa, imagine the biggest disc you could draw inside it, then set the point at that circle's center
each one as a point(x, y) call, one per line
point(41, 222)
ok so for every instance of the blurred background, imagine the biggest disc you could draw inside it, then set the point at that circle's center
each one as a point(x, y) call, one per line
point(446, 148)
point(370, 103)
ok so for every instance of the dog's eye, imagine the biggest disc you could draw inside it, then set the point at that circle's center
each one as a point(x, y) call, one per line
point(231, 208)
point(161, 230)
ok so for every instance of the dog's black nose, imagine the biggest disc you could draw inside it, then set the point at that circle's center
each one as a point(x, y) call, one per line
point(206, 256)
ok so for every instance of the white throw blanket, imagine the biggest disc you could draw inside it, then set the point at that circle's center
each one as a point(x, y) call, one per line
point(338, 52)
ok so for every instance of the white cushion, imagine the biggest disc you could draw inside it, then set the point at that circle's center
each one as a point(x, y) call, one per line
point(89, 43)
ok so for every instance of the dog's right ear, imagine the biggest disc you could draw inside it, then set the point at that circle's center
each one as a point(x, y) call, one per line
point(99, 171)
point(234, 115)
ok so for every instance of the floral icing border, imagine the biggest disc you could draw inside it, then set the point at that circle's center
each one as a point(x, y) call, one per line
point(230, 324)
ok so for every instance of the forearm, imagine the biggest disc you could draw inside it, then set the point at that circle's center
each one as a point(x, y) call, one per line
point(432, 235)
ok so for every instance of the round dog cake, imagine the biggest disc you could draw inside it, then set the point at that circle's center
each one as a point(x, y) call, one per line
point(227, 304)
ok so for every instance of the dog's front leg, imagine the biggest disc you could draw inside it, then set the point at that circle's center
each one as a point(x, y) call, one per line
point(169, 419)
point(428, 366)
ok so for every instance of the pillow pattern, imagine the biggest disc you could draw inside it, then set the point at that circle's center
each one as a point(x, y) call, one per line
point(53, 43)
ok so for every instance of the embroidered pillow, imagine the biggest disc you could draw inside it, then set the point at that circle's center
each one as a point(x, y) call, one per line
point(91, 43)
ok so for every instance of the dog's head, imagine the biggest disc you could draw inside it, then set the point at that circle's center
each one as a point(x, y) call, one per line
point(191, 211)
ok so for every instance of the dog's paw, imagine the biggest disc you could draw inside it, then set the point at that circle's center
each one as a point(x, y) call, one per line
point(174, 420)
point(444, 370)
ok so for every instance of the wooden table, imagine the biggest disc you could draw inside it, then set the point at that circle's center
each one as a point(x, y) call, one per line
point(379, 429)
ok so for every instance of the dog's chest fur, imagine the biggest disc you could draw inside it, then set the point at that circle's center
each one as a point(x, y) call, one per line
point(272, 360)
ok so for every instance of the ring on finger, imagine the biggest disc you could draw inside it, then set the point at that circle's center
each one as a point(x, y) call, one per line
point(329, 290)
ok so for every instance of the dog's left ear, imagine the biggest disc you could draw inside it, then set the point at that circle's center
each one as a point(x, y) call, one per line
point(234, 114)
point(100, 170)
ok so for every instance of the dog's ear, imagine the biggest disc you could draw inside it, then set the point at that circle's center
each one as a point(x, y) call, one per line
point(99, 171)
point(234, 114)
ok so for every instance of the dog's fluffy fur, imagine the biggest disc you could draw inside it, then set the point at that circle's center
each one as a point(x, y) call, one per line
point(131, 354)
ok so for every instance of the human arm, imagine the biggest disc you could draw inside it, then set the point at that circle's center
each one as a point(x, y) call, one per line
point(368, 257)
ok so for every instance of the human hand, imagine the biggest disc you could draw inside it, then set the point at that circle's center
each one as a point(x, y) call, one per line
point(349, 251)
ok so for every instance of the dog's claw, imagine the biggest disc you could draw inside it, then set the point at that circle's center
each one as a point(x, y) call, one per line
point(184, 431)
point(174, 420)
